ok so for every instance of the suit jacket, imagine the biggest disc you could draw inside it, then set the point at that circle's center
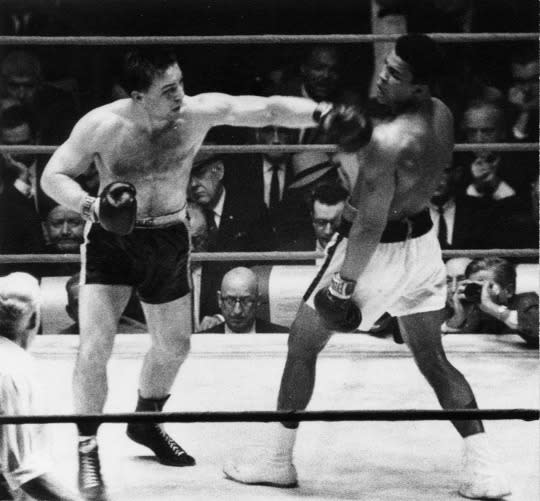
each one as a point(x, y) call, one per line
point(261, 326)
point(245, 226)
point(20, 229)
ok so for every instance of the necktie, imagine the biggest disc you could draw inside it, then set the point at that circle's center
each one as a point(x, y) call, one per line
point(211, 227)
point(273, 199)
point(443, 230)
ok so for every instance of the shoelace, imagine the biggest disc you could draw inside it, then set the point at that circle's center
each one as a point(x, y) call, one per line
point(172, 445)
point(90, 470)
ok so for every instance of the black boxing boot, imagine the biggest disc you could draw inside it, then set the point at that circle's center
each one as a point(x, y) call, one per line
point(153, 436)
point(91, 485)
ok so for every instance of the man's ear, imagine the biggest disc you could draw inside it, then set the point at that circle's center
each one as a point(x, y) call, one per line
point(32, 321)
point(137, 96)
point(219, 297)
point(219, 169)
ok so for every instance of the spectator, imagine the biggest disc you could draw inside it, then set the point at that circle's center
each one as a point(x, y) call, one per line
point(20, 228)
point(267, 174)
point(23, 453)
point(327, 206)
point(523, 93)
point(64, 234)
point(507, 211)
point(486, 302)
point(131, 321)
point(236, 221)
point(55, 110)
point(198, 232)
point(238, 301)
point(17, 127)
point(458, 219)
point(64, 230)
point(294, 227)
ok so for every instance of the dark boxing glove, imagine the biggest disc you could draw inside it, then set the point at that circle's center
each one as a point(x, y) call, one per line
point(346, 125)
point(335, 307)
point(115, 209)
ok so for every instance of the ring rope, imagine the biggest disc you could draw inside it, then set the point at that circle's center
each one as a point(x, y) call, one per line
point(285, 148)
point(278, 416)
point(255, 39)
point(266, 256)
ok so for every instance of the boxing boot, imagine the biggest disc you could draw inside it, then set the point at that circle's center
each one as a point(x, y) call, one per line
point(482, 476)
point(273, 464)
point(91, 485)
point(153, 436)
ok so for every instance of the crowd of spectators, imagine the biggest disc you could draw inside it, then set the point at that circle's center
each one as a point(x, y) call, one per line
point(274, 201)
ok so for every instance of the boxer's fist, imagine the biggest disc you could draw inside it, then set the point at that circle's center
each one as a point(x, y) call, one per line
point(335, 306)
point(117, 210)
point(346, 125)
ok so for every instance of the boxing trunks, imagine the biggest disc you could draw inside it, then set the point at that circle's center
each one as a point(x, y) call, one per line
point(405, 275)
point(153, 258)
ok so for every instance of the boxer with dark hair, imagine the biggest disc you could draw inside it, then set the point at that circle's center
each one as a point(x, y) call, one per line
point(143, 147)
point(385, 259)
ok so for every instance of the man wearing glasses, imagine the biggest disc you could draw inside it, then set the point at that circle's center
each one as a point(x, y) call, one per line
point(238, 301)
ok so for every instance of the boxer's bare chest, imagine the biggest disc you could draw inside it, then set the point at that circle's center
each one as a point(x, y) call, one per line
point(133, 154)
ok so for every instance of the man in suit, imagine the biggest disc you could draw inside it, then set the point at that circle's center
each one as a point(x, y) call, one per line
point(457, 218)
point(236, 220)
point(238, 300)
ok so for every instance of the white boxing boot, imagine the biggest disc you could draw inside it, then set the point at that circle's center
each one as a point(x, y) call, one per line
point(273, 465)
point(482, 475)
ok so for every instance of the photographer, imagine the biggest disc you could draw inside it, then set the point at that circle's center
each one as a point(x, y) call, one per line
point(485, 301)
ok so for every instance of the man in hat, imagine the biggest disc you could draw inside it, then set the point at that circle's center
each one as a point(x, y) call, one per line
point(236, 220)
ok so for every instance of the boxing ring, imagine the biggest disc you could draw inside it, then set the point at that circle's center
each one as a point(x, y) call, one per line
point(228, 386)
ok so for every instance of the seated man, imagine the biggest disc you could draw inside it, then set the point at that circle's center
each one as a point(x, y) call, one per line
point(23, 460)
point(238, 301)
point(64, 230)
point(485, 301)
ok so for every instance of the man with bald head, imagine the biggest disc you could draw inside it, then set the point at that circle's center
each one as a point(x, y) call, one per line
point(238, 301)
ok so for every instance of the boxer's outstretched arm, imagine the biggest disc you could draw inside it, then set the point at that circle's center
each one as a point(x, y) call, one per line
point(253, 111)
point(70, 160)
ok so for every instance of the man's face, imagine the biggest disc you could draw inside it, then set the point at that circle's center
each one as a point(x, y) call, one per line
point(499, 293)
point(321, 73)
point(272, 135)
point(483, 124)
point(22, 88)
point(238, 302)
point(65, 229)
point(446, 189)
point(394, 84)
point(22, 134)
point(206, 183)
point(163, 99)
point(325, 220)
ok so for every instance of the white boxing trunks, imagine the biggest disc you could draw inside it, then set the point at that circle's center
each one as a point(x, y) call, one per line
point(403, 277)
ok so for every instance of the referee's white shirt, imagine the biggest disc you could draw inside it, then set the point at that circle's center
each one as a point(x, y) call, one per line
point(21, 445)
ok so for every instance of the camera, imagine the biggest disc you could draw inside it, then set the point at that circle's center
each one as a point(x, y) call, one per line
point(472, 292)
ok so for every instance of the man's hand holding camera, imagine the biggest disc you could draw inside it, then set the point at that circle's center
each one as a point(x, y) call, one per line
point(471, 296)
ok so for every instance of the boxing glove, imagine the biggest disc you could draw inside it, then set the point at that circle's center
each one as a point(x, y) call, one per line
point(115, 209)
point(346, 125)
point(335, 306)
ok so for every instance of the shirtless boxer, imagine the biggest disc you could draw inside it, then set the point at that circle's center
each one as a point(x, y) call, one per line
point(144, 145)
point(386, 259)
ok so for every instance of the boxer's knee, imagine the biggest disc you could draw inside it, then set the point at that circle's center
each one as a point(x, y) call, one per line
point(308, 336)
point(172, 348)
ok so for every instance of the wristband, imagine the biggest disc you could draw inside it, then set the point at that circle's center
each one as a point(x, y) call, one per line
point(322, 109)
point(342, 288)
point(87, 209)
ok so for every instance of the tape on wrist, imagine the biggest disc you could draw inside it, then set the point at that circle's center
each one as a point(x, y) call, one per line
point(341, 287)
point(87, 209)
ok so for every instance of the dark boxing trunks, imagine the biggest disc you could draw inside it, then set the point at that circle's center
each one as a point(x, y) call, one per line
point(154, 261)
point(398, 231)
